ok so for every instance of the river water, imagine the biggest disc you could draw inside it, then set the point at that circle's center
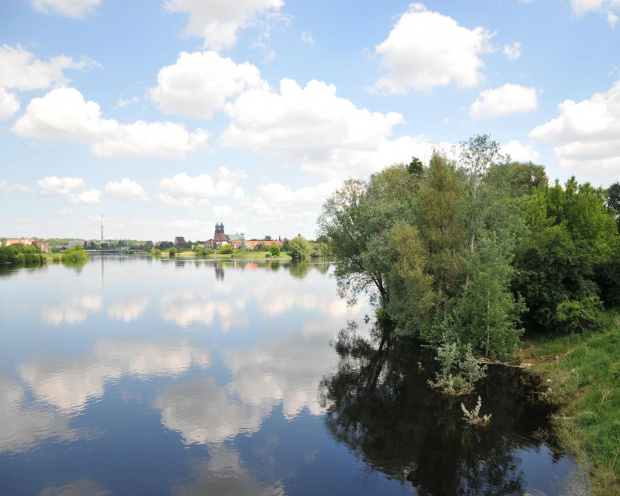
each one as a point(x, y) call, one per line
point(132, 376)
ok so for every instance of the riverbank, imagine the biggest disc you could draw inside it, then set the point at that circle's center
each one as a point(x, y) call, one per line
point(582, 374)
point(190, 255)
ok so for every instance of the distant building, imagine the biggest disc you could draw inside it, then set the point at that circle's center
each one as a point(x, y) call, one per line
point(236, 240)
point(253, 244)
point(70, 244)
point(22, 241)
point(221, 238)
point(43, 246)
point(179, 242)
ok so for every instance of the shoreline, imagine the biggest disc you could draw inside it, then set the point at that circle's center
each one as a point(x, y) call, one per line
point(581, 373)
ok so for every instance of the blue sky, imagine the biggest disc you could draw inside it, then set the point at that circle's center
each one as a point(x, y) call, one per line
point(169, 116)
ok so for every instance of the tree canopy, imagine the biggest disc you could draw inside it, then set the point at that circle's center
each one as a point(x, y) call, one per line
point(468, 251)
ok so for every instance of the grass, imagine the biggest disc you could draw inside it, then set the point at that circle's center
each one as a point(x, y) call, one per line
point(583, 375)
point(242, 255)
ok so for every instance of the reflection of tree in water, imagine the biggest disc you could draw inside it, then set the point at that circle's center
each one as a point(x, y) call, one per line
point(219, 272)
point(380, 405)
point(299, 269)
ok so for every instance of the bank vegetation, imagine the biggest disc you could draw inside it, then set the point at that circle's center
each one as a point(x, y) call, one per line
point(468, 253)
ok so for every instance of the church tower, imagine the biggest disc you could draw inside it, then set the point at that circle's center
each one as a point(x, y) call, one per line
point(219, 237)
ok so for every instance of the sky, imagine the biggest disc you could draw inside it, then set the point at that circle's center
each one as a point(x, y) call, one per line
point(167, 116)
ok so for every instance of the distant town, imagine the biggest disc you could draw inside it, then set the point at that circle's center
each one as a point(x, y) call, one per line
point(219, 240)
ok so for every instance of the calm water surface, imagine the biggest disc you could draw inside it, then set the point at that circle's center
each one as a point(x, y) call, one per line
point(134, 376)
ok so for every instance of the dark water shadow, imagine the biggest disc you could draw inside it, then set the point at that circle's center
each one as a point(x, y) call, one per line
point(379, 404)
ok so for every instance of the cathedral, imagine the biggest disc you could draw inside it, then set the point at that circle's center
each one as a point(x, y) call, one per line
point(221, 238)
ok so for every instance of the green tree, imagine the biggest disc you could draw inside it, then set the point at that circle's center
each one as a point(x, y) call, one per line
point(172, 252)
point(299, 248)
point(478, 156)
point(613, 201)
point(357, 219)
point(226, 249)
point(487, 314)
point(415, 167)
point(275, 250)
point(75, 255)
point(517, 179)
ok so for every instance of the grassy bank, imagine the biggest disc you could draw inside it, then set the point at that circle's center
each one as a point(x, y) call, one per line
point(244, 255)
point(582, 372)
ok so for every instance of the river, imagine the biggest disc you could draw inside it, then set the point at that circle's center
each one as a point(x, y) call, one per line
point(132, 376)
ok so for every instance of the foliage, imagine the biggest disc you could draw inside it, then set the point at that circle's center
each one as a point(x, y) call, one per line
point(580, 315)
point(275, 250)
point(357, 219)
point(17, 254)
point(465, 252)
point(202, 252)
point(226, 249)
point(459, 369)
point(286, 245)
point(473, 417)
point(299, 248)
point(156, 252)
point(75, 255)
point(172, 252)
point(572, 251)
point(487, 314)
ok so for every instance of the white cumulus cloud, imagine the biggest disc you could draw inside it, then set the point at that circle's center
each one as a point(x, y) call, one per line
point(21, 70)
point(519, 152)
point(500, 102)
point(217, 22)
point(582, 6)
point(182, 189)
point(199, 83)
point(127, 189)
point(309, 126)
point(4, 186)
point(89, 197)
point(69, 8)
point(513, 52)
point(426, 49)
point(586, 136)
point(59, 186)
point(9, 104)
point(64, 115)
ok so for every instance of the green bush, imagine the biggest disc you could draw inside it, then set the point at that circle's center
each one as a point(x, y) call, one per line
point(75, 255)
point(156, 252)
point(172, 252)
point(225, 250)
point(275, 250)
point(580, 315)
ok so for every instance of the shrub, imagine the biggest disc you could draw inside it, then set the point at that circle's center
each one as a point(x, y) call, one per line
point(225, 250)
point(459, 369)
point(275, 250)
point(156, 252)
point(580, 315)
point(75, 255)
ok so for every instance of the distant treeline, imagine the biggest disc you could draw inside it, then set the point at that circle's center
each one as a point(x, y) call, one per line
point(18, 254)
